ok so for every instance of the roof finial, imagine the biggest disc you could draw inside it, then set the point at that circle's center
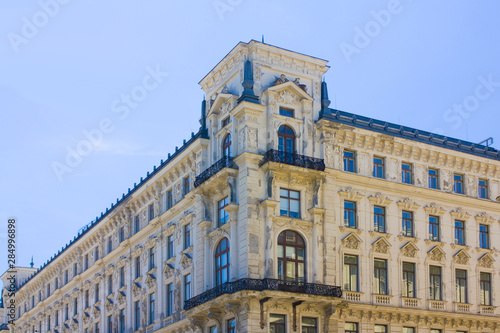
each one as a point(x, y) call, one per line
point(32, 264)
point(262, 38)
point(248, 94)
point(325, 102)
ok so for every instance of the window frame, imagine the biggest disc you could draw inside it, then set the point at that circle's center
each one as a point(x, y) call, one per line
point(408, 289)
point(283, 261)
point(350, 164)
point(460, 236)
point(151, 263)
point(377, 216)
point(187, 236)
point(405, 221)
point(484, 236)
point(227, 146)
point(187, 287)
point(348, 271)
point(379, 274)
point(152, 309)
point(434, 227)
point(285, 139)
point(485, 295)
point(151, 212)
point(379, 168)
point(458, 183)
point(461, 286)
point(406, 173)
point(283, 112)
point(309, 329)
point(170, 246)
point(433, 178)
point(170, 299)
point(435, 289)
point(276, 325)
point(288, 200)
point(354, 330)
point(482, 189)
point(350, 215)
point(222, 214)
point(221, 270)
point(169, 200)
point(185, 185)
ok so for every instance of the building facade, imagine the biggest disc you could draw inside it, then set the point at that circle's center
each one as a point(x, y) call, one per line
point(284, 215)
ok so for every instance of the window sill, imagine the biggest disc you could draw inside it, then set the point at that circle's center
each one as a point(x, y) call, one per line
point(374, 233)
point(349, 229)
point(460, 246)
point(433, 242)
point(188, 249)
point(407, 238)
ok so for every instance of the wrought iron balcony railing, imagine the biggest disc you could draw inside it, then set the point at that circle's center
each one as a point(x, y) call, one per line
point(261, 285)
point(225, 162)
point(294, 159)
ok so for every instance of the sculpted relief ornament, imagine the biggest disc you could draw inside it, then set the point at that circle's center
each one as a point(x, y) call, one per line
point(381, 245)
point(462, 257)
point(409, 250)
point(287, 97)
point(486, 261)
point(351, 241)
point(437, 253)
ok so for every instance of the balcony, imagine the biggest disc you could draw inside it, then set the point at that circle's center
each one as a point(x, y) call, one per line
point(225, 162)
point(262, 285)
point(410, 302)
point(382, 299)
point(302, 161)
point(352, 296)
point(436, 305)
point(486, 309)
point(462, 307)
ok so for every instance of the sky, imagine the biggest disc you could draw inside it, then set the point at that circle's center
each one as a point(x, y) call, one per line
point(67, 69)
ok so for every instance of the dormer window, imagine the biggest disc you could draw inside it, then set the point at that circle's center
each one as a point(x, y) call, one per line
point(287, 112)
point(226, 122)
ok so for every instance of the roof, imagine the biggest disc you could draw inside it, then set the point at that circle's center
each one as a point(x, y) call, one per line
point(410, 133)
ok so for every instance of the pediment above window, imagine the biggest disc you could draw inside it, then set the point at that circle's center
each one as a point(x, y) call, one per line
point(437, 253)
point(222, 105)
point(409, 250)
point(381, 245)
point(462, 257)
point(486, 261)
point(351, 241)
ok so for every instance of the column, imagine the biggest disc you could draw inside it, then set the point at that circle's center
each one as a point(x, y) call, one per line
point(269, 211)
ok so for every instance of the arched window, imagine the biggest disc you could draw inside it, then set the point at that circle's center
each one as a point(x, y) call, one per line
point(226, 146)
point(222, 262)
point(286, 139)
point(291, 256)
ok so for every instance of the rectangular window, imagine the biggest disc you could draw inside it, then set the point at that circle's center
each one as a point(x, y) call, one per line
point(110, 284)
point(48, 323)
point(170, 201)
point(378, 167)
point(137, 267)
point(351, 327)
point(231, 326)
point(97, 328)
point(187, 287)
point(48, 290)
point(409, 287)
point(406, 173)
point(309, 325)
point(185, 185)
point(461, 285)
point(86, 262)
point(170, 299)
point(151, 308)
point(460, 232)
point(435, 283)
point(56, 283)
point(286, 112)
point(380, 277)
point(151, 258)
point(223, 216)
point(96, 292)
point(66, 312)
point(56, 321)
point(96, 254)
point(277, 323)
point(75, 306)
point(349, 161)
point(213, 329)
point(380, 329)
point(407, 224)
point(434, 228)
point(226, 121)
point(122, 276)
point(121, 234)
point(137, 224)
point(137, 317)
point(110, 244)
point(485, 288)
point(75, 269)
point(66, 276)
point(350, 214)
point(408, 329)
point(151, 212)
point(433, 330)
point(187, 236)
point(121, 323)
point(289, 203)
point(170, 246)
point(379, 219)
point(350, 273)
point(483, 189)
point(484, 237)
point(110, 324)
point(458, 184)
point(433, 178)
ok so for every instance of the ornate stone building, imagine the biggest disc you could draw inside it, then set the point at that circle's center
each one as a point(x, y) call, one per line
point(284, 215)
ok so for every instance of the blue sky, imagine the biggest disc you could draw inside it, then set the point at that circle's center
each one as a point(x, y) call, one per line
point(66, 66)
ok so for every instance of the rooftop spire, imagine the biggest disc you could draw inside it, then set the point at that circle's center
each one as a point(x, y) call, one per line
point(325, 102)
point(203, 119)
point(248, 94)
point(32, 264)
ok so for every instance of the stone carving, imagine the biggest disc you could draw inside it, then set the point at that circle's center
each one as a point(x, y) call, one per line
point(301, 86)
point(136, 289)
point(437, 253)
point(225, 107)
point(329, 154)
point(241, 139)
point(121, 298)
point(151, 281)
point(351, 241)
point(409, 250)
point(186, 260)
point(486, 261)
point(280, 80)
point(462, 257)
point(287, 97)
point(225, 89)
point(252, 138)
point(381, 245)
point(109, 305)
point(168, 271)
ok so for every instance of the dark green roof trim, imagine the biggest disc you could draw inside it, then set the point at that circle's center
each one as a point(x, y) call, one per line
point(409, 133)
point(202, 133)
